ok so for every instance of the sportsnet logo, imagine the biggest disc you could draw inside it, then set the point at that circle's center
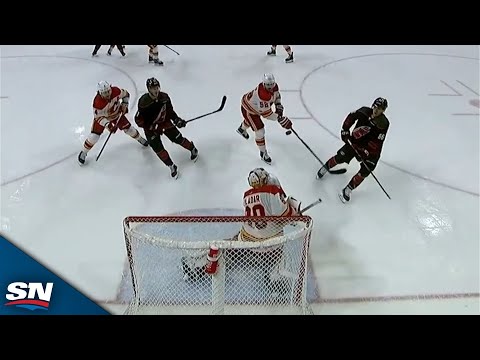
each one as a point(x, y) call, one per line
point(37, 297)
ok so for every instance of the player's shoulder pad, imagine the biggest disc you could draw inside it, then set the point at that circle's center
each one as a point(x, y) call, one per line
point(99, 102)
point(382, 122)
point(365, 110)
point(116, 91)
point(163, 97)
point(145, 101)
point(263, 93)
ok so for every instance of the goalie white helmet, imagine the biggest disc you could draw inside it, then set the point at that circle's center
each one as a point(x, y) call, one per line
point(256, 178)
point(104, 89)
point(269, 81)
point(262, 173)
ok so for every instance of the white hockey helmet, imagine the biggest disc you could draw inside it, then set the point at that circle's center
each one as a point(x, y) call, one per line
point(104, 89)
point(262, 173)
point(269, 81)
point(256, 179)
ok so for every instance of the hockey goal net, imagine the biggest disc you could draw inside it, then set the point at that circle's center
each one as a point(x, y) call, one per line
point(172, 271)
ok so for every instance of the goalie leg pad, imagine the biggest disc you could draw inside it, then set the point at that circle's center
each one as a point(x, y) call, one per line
point(194, 266)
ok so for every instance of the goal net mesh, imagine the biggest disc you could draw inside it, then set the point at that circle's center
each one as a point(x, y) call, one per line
point(261, 266)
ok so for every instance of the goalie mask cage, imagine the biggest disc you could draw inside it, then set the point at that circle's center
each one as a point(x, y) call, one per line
point(168, 257)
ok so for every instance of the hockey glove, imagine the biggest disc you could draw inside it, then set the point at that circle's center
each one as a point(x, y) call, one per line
point(112, 127)
point(371, 163)
point(180, 123)
point(285, 122)
point(345, 135)
point(124, 108)
point(279, 109)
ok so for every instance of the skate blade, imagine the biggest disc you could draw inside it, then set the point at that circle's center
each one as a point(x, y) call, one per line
point(238, 132)
point(268, 163)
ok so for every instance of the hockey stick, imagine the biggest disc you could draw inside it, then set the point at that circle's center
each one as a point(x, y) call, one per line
point(103, 147)
point(108, 138)
point(336, 172)
point(224, 99)
point(169, 48)
point(310, 206)
point(368, 169)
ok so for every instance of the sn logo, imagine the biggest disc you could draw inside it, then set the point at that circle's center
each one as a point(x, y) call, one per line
point(37, 297)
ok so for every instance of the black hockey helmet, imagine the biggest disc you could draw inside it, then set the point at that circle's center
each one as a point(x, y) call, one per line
point(381, 103)
point(151, 82)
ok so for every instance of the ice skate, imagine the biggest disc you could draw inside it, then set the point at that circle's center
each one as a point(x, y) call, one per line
point(345, 194)
point(323, 170)
point(289, 59)
point(272, 52)
point(265, 157)
point(81, 157)
point(194, 154)
point(174, 171)
point(143, 141)
point(158, 62)
point(242, 132)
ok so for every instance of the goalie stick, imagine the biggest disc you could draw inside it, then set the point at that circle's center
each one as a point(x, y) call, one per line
point(308, 207)
point(335, 172)
point(224, 100)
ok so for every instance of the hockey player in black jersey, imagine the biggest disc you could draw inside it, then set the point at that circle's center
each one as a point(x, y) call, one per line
point(157, 117)
point(365, 143)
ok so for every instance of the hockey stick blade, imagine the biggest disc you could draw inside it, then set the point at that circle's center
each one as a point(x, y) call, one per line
point(338, 171)
point(222, 105)
point(335, 172)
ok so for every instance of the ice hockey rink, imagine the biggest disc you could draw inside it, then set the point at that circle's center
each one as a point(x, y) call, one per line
point(417, 253)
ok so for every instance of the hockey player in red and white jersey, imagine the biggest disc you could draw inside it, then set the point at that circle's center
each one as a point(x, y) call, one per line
point(264, 199)
point(109, 108)
point(257, 104)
